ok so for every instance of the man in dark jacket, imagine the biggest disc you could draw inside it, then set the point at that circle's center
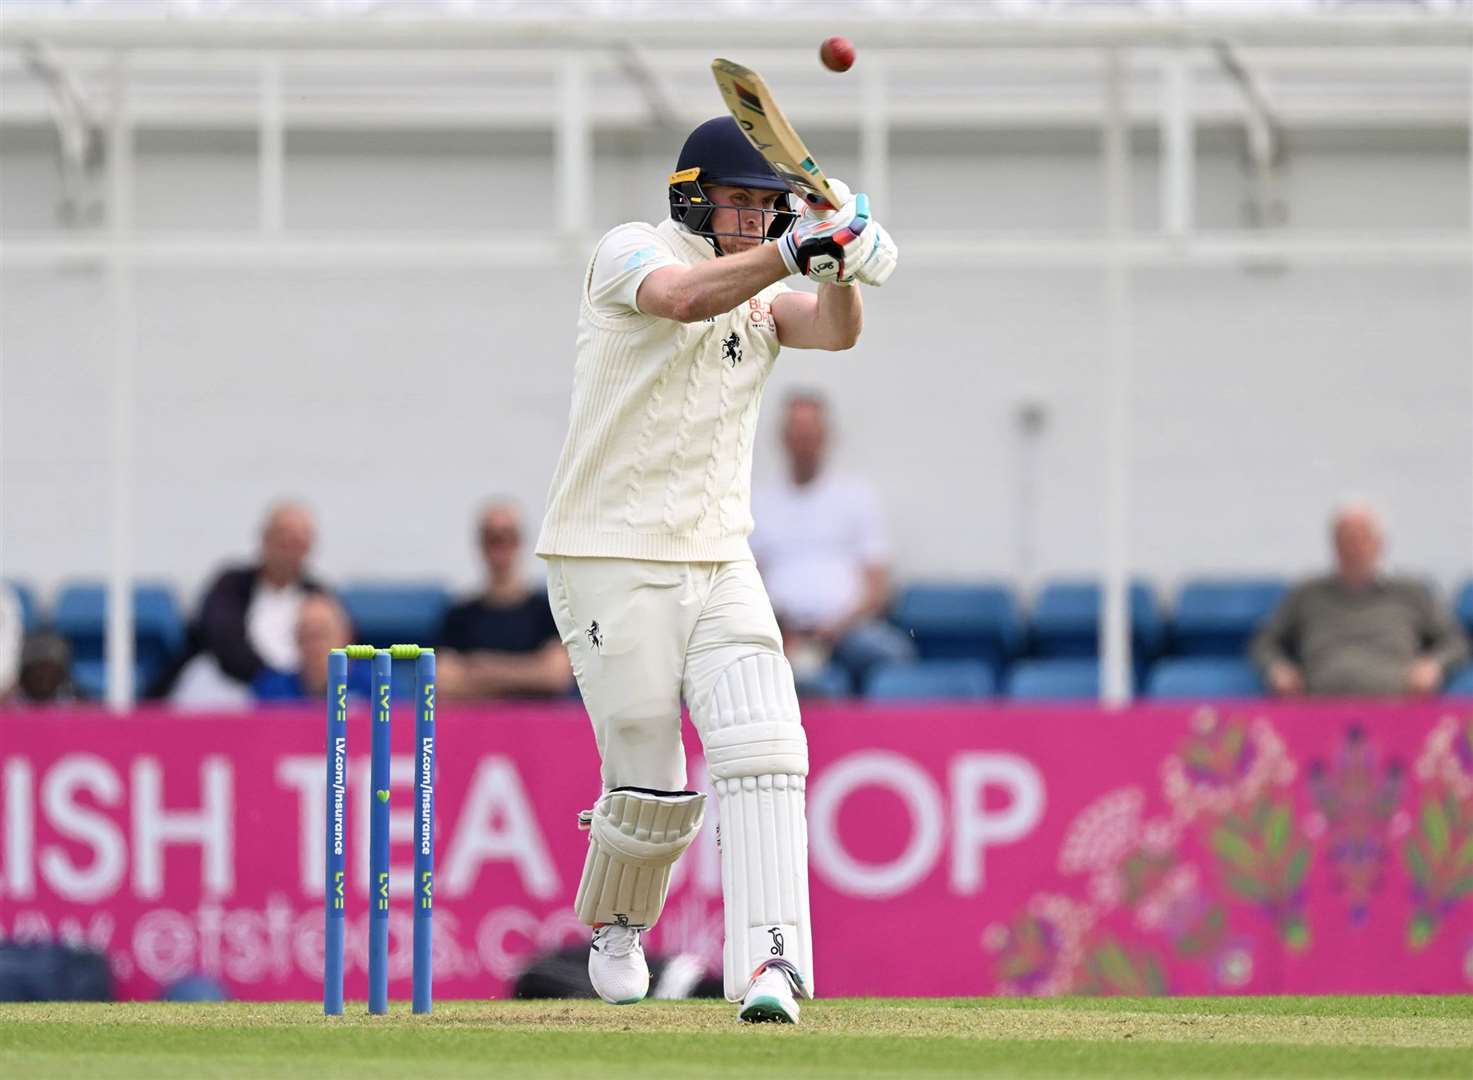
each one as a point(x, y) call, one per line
point(247, 620)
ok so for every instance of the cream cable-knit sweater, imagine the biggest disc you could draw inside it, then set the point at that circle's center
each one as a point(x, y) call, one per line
point(657, 463)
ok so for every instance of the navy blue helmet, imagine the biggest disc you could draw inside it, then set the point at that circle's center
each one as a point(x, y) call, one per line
point(718, 153)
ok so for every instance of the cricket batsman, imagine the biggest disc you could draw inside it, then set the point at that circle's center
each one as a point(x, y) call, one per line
point(651, 580)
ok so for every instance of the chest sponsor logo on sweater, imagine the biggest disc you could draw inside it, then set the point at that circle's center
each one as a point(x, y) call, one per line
point(759, 313)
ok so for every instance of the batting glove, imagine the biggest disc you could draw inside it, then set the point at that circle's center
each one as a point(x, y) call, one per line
point(831, 247)
point(876, 269)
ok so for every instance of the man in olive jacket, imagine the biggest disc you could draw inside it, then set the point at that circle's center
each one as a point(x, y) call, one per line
point(1357, 632)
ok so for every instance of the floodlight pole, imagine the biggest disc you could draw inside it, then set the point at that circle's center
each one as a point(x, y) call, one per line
point(122, 306)
point(1114, 629)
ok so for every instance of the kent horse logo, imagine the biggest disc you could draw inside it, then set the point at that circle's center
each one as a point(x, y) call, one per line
point(731, 349)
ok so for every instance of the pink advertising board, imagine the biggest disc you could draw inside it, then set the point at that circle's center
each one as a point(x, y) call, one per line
point(1244, 848)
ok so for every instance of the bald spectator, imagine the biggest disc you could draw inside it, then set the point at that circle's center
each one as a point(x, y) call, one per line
point(1358, 632)
point(247, 622)
point(503, 641)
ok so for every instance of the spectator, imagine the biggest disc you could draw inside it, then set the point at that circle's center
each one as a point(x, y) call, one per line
point(502, 642)
point(1358, 631)
point(46, 669)
point(322, 625)
point(823, 553)
point(247, 622)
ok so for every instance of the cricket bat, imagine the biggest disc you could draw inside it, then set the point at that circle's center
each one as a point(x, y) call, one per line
point(756, 113)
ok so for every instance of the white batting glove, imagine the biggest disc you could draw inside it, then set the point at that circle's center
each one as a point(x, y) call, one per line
point(877, 268)
point(831, 247)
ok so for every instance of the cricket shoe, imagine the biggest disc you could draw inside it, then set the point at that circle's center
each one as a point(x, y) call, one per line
point(769, 997)
point(616, 965)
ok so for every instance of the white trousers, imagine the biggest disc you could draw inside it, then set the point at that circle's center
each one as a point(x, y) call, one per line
point(642, 636)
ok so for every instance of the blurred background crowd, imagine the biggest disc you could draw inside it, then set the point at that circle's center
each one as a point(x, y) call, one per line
point(262, 627)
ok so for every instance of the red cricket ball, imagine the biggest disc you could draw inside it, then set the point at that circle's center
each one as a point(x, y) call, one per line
point(837, 53)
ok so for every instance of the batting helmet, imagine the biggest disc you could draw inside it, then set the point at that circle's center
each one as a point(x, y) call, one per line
point(715, 153)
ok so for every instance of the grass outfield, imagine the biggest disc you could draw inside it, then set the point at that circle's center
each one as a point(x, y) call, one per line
point(1167, 1037)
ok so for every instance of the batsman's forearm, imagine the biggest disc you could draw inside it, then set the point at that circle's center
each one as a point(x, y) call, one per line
point(840, 314)
point(717, 286)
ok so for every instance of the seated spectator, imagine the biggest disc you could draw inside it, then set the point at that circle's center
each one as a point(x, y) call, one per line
point(322, 625)
point(247, 622)
point(821, 546)
point(1359, 632)
point(502, 642)
point(46, 669)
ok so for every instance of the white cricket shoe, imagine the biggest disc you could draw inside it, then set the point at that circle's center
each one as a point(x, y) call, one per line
point(616, 965)
point(769, 998)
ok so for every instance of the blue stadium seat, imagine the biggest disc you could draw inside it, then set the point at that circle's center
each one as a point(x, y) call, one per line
point(1218, 616)
point(394, 613)
point(159, 626)
point(29, 610)
point(961, 621)
point(1066, 620)
point(81, 618)
point(1204, 677)
point(1461, 684)
point(90, 678)
point(1464, 606)
point(1058, 679)
point(931, 680)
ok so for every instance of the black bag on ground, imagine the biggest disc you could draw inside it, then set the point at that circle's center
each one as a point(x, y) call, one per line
point(53, 972)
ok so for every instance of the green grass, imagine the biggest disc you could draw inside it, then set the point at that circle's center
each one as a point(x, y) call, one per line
point(1167, 1037)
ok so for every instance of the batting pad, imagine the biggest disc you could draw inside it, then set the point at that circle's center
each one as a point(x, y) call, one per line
point(757, 756)
point(634, 837)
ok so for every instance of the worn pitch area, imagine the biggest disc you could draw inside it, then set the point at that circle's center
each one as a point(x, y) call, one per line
point(1285, 1036)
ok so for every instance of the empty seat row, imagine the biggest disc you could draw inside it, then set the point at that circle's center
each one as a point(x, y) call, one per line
point(1071, 679)
point(1211, 617)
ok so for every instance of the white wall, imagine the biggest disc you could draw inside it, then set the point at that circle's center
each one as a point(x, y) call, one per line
point(394, 401)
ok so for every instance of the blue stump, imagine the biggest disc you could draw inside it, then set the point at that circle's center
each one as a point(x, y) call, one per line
point(424, 828)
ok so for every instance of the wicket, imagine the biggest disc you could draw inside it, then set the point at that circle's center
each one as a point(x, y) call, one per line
point(378, 824)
